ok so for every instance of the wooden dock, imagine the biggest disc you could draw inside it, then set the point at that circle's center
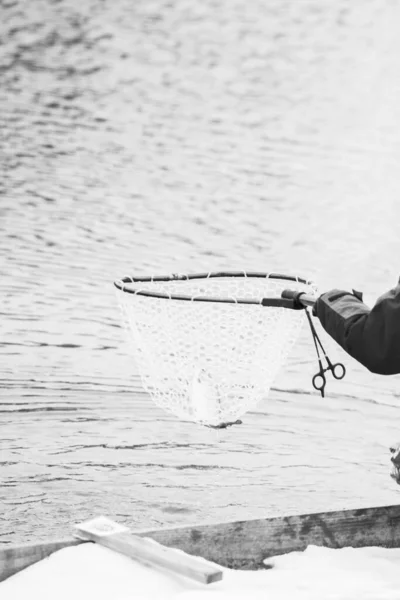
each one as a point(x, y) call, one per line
point(246, 544)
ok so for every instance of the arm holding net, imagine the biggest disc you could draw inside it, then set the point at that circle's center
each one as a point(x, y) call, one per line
point(371, 336)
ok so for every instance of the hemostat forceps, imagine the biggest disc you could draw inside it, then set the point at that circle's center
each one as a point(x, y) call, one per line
point(338, 369)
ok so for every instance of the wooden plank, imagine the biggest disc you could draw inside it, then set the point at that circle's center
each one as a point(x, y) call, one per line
point(17, 558)
point(147, 551)
point(245, 544)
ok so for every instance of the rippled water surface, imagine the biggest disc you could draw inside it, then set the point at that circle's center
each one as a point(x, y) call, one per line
point(174, 136)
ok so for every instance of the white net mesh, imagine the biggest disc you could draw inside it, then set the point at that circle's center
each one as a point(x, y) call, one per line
point(210, 362)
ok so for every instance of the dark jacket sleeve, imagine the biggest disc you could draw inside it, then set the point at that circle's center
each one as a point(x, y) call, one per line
point(371, 336)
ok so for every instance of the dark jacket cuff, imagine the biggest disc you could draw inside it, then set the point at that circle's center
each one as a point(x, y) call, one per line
point(370, 336)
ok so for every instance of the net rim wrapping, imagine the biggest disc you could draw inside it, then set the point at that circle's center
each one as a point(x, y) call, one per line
point(125, 285)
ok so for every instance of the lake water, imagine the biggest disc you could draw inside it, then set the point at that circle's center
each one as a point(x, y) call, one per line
point(180, 136)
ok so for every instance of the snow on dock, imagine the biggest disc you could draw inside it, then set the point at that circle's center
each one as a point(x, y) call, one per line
point(89, 571)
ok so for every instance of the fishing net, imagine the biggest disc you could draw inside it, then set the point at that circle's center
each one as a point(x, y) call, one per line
point(209, 346)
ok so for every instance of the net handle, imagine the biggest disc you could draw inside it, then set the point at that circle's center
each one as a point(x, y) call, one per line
point(299, 299)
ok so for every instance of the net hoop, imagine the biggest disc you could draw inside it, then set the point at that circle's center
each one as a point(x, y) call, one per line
point(209, 345)
point(129, 285)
